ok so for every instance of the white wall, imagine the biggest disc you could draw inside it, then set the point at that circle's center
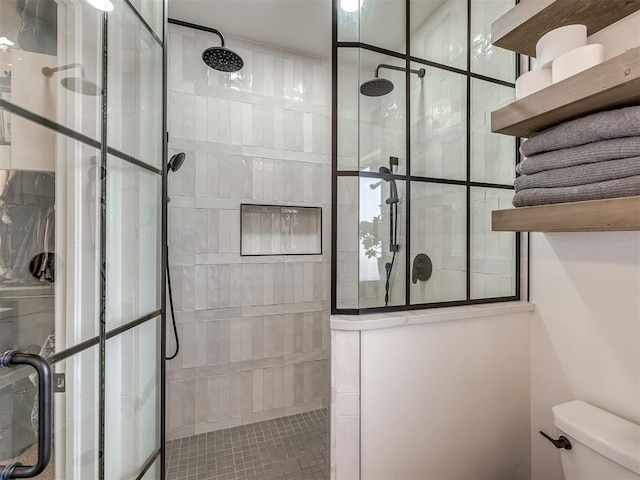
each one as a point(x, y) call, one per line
point(585, 338)
point(447, 400)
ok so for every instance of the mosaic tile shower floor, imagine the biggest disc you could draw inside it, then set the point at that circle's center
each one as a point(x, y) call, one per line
point(288, 448)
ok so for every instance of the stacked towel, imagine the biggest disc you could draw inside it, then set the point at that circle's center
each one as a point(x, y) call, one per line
point(590, 158)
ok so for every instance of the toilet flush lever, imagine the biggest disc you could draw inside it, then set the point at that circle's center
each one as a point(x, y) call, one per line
point(562, 442)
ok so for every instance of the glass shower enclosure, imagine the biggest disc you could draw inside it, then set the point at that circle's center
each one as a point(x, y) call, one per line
point(81, 224)
point(416, 169)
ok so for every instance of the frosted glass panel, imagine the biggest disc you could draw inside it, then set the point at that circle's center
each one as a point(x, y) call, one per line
point(348, 98)
point(382, 119)
point(486, 59)
point(133, 242)
point(50, 49)
point(439, 125)
point(151, 11)
point(492, 253)
point(132, 400)
point(380, 229)
point(135, 88)
point(438, 229)
point(349, 20)
point(79, 430)
point(154, 471)
point(347, 244)
point(493, 156)
point(50, 237)
point(439, 31)
point(382, 23)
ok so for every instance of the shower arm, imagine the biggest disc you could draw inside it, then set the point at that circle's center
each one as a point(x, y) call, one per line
point(48, 71)
point(421, 73)
point(200, 27)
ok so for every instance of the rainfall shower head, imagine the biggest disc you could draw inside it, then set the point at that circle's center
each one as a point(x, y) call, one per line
point(176, 161)
point(76, 84)
point(378, 87)
point(81, 85)
point(221, 58)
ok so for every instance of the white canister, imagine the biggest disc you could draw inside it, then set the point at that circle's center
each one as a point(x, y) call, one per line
point(532, 81)
point(559, 41)
point(576, 61)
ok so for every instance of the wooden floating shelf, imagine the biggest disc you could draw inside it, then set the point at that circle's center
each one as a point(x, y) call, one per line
point(521, 27)
point(615, 214)
point(611, 84)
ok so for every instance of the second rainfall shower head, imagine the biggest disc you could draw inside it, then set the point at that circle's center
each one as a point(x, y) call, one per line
point(76, 84)
point(378, 87)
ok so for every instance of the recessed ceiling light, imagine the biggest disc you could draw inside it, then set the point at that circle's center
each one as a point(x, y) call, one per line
point(104, 5)
point(351, 5)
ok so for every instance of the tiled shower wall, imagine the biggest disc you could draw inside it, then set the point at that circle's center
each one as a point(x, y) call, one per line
point(254, 331)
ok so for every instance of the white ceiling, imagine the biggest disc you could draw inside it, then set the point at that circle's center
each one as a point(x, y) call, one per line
point(300, 25)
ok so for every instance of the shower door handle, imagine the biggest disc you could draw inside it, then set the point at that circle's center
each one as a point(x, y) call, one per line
point(45, 405)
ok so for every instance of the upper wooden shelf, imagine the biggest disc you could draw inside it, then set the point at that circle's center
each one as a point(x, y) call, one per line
point(611, 84)
point(614, 214)
point(521, 27)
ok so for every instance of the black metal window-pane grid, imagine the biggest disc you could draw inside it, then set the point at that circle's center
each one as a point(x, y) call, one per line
point(105, 151)
point(468, 183)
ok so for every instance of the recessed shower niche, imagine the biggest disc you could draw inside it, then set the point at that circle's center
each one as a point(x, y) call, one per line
point(280, 230)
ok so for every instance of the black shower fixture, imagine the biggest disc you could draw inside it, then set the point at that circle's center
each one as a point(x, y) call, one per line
point(176, 161)
point(76, 84)
point(378, 87)
point(221, 58)
point(174, 164)
point(393, 194)
point(392, 201)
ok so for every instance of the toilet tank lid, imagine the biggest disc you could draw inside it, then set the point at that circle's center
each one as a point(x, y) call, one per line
point(611, 436)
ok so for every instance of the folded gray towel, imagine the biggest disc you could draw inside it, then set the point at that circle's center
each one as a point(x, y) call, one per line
point(623, 122)
point(580, 174)
point(622, 187)
point(589, 153)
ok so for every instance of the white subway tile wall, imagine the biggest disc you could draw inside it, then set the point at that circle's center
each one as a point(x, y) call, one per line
point(254, 331)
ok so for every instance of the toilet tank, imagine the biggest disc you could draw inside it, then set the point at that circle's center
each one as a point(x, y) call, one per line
point(604, 446)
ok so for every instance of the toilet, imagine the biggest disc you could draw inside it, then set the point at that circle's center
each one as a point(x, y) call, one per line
point(604, 446)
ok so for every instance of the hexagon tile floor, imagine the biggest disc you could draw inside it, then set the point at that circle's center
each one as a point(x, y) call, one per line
point(288, 448)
